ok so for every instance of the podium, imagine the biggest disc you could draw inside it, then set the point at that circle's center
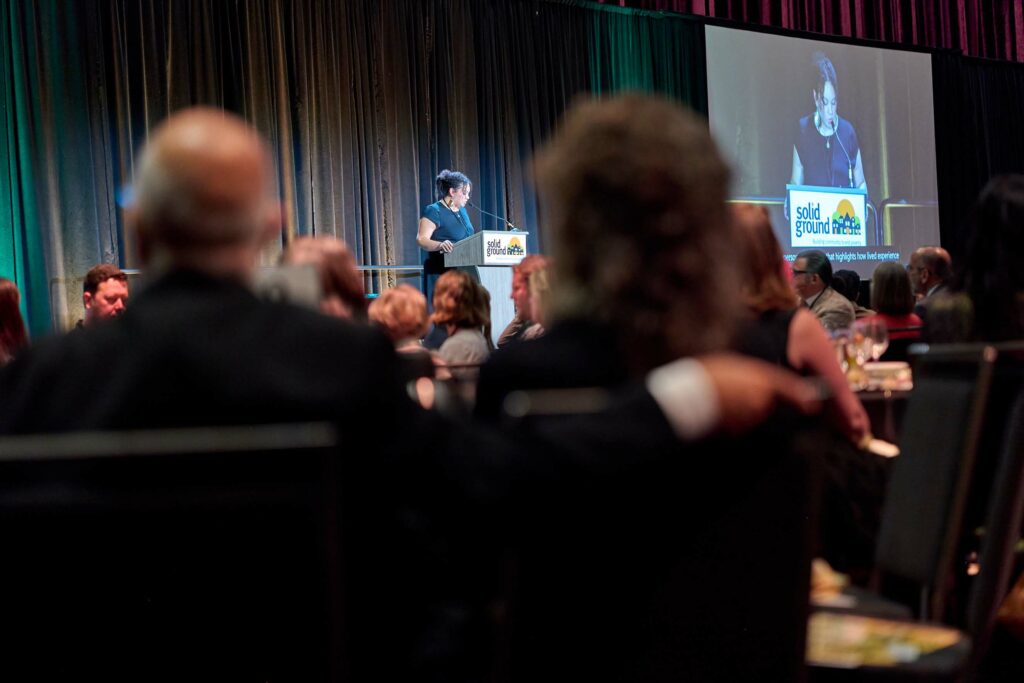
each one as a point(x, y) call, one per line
point(487, 255)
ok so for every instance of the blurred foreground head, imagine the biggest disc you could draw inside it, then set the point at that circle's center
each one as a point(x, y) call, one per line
point(203, 195)
point(634, 190)
point(992, 275)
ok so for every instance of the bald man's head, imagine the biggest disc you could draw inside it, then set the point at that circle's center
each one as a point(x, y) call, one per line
point(928, 267)
point(203, 187)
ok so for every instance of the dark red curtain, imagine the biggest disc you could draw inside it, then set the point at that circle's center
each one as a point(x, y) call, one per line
point(980, 28)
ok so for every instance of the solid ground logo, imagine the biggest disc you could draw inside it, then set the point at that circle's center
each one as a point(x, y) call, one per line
point(514, 247)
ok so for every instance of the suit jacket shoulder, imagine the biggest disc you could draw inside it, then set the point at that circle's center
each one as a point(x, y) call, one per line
point(833, 309)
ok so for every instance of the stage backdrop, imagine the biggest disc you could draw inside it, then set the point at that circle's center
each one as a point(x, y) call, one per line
point(364, 101)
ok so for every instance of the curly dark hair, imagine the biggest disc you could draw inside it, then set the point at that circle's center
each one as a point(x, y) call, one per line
point(824, 72)
point(450, 180)
point(634, 190)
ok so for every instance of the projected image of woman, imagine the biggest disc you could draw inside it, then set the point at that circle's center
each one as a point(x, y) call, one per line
point(826, 152)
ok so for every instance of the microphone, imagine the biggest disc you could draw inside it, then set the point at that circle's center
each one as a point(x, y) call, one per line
point(508, 224)
point(849, 162)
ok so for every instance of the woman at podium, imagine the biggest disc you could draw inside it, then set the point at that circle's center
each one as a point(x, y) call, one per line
point(442, 224)
point(826, 152)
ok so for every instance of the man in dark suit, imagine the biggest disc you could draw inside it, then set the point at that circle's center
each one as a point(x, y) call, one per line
point(929, 270)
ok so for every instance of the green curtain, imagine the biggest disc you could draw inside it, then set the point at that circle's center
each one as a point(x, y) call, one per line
point(363, 102)
point(649, 51)
point(21, 253)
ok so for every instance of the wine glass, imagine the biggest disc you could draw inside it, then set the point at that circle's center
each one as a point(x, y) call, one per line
point(876, 333)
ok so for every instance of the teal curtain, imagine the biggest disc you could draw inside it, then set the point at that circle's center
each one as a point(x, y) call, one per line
point(21, 252)
point(363, 102)
point(649, 51)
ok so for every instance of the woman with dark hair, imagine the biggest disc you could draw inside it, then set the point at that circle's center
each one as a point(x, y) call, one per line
point(442, 224)
point(893, 299)
point(782, 332)
point(826, 151)
point(13, 336)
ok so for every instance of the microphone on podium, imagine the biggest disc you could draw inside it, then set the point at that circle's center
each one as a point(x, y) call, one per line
point(508, 224)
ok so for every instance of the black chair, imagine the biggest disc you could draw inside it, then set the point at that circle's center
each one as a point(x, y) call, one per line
point(926, 501)
point(996, 560)
point(898, 349)
point(167, 555)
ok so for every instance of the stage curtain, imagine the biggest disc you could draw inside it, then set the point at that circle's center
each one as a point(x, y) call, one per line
point(981, 28)
point(21, 254)
point(979, 106)
point(363, 102)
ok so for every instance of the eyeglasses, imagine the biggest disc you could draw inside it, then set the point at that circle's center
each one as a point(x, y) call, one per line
point(801, 272)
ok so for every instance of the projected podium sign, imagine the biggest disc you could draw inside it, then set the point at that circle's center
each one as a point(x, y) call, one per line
point(827, 216)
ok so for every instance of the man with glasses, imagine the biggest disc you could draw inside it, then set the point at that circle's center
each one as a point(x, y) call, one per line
point(812, 280)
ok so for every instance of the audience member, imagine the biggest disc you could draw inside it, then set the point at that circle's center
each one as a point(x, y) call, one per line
point(787, 334)
point(892, 298)
point(13, 336)
point(521, 273)
point(812, 280)
point(104, 293)
point(462, 306)
point(633, 190)
point(992, 277)
point(341, 286)
point(784, 333)
point(540, 295)
point(402, 313)
point(930, 269)
point(847, 283)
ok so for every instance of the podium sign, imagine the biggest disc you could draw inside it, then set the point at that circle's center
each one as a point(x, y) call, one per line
point(488, 248)
point(827, 216)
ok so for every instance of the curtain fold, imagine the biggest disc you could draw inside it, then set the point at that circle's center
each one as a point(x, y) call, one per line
point(978, 113)
point(21, 253)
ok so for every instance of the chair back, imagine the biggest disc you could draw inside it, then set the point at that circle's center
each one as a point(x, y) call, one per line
point(898, 349)
point(693, 568)
point(159, 554)
point(1005, 509)
point(928, 489)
